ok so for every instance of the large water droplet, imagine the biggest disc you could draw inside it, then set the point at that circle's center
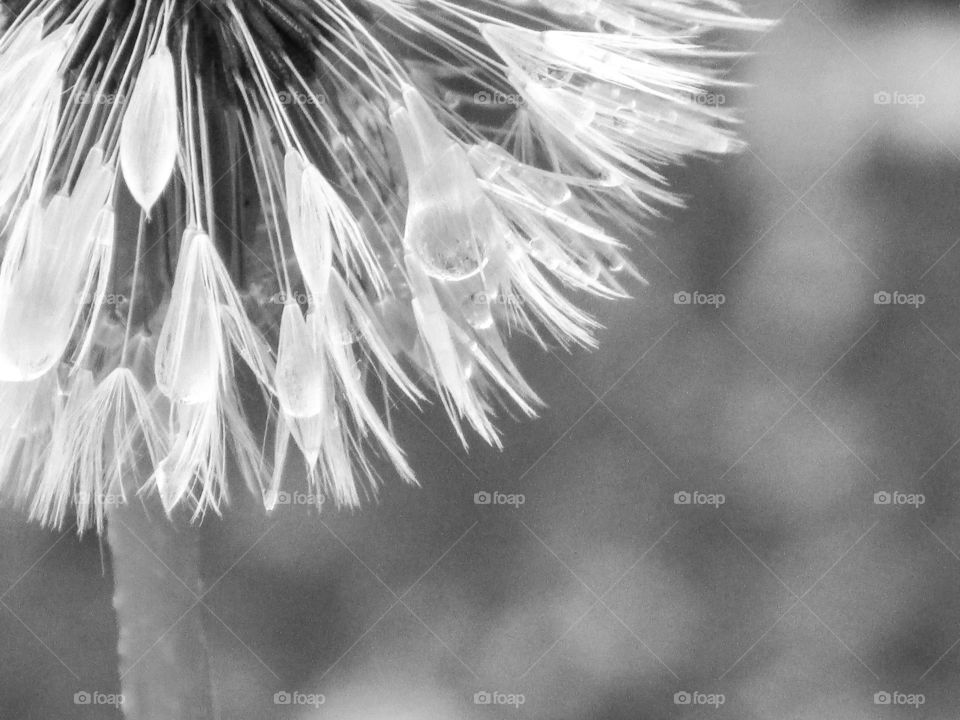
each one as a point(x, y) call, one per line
point(448, 216)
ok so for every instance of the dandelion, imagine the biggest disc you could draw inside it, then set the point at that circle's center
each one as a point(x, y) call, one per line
point(392, 169)
point(415, 180)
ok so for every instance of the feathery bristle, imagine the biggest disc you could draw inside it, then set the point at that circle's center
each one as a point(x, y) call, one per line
point(336, 200)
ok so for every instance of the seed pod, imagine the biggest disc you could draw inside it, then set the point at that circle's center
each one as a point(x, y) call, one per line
point(148, 136)
point(54, 256)
point(302, 381)
point(309, 216)
point(190, 351)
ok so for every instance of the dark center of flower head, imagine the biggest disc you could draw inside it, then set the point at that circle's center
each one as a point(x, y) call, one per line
point(288, 36)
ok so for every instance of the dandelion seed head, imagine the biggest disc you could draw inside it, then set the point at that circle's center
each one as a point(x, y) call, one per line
point(342, 200)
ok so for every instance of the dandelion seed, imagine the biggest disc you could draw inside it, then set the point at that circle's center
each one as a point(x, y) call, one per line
point(301, 376)
point(54, 256)
point(29, 96)
point(148, 137)
point(299, 149)
point(190, 352)
point(104, 427)
point(311, 233)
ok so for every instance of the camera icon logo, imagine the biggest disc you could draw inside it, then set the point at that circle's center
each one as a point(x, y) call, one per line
point(882, 498)
point(482, 698)
point(682, 698)
point(272, 498)
point(82, 698)
point(882, 298)
point(681, 498)
point(482, 498)
point(282, 698)
point(882, 98)
point(881, 698)
point(682, 298)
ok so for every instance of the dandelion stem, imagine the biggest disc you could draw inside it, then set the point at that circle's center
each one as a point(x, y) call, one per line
point(158, 591)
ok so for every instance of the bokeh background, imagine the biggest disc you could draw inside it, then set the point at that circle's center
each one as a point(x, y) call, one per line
point(798, 399)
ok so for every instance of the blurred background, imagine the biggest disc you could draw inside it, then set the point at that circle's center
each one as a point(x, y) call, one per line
point(744, 505)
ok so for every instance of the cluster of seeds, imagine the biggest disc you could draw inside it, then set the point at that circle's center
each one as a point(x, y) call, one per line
point(390, 168)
